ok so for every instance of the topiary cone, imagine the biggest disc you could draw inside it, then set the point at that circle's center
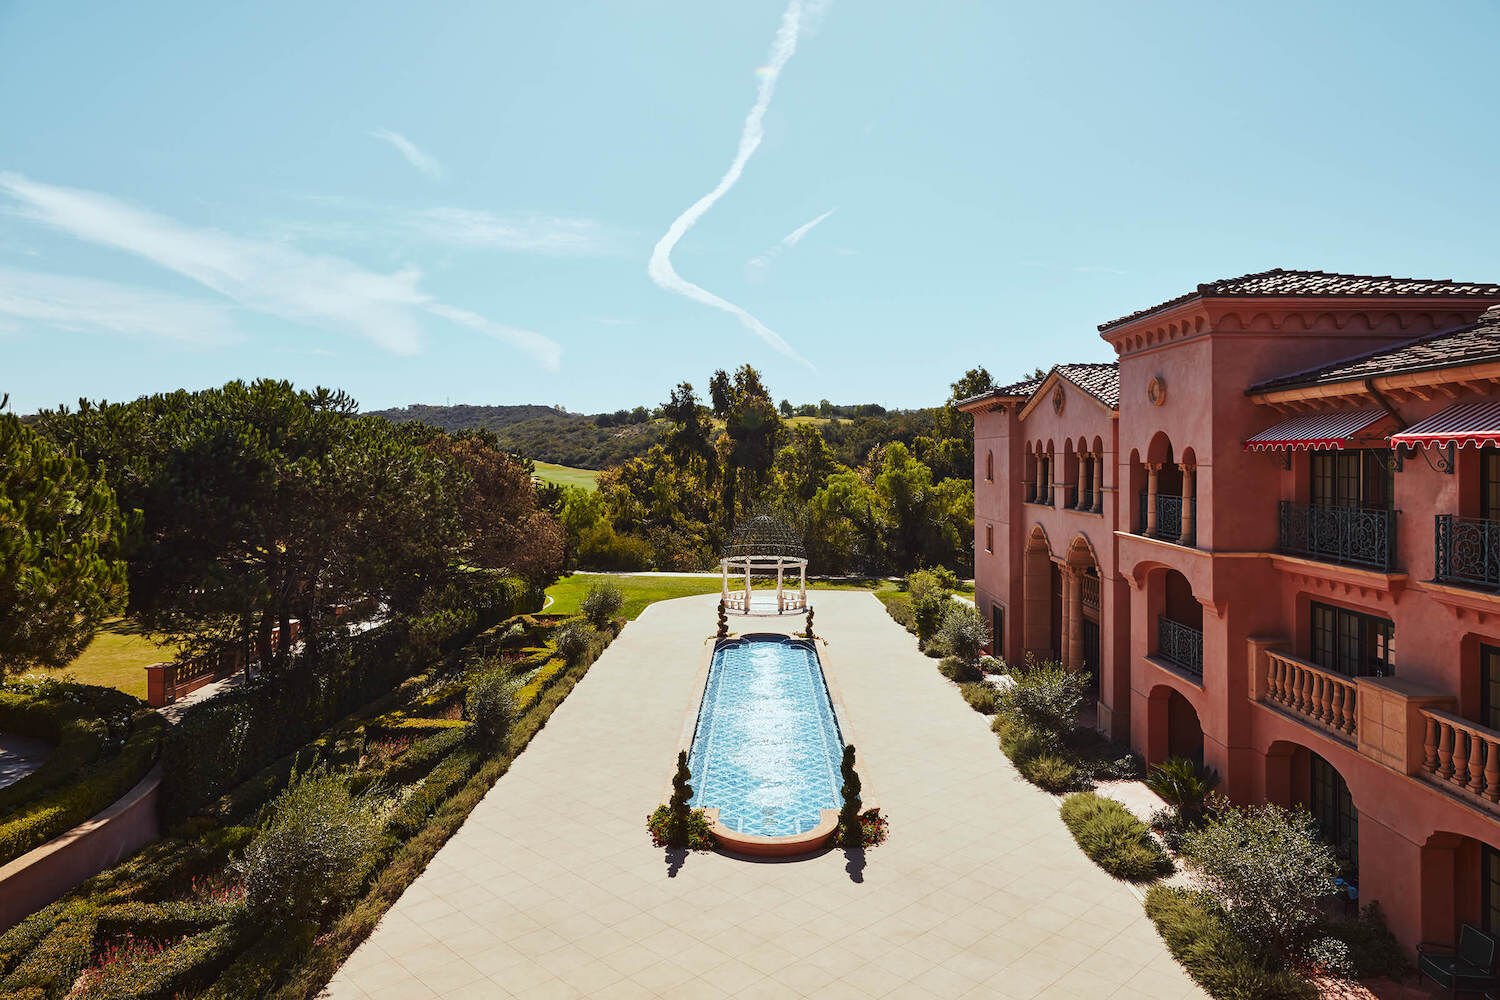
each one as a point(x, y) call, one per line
point(678, 808)
point(851, 834)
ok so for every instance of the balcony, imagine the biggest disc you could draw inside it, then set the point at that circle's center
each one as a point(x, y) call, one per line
point(1327, 700)
point(1089, 592)
point(1462, 758)
point(1170, 512)
point(1466, 551)
point(1351, 536)
point(1179, 645)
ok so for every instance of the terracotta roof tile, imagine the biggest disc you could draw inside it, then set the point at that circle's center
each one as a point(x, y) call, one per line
point(1100, 380)
point(1279, 282)
point(1464, 346)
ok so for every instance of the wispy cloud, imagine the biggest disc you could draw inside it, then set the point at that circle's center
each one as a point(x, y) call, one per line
point(415, 155)
point(524, 233)
point(763, 260)
point(264, 276)
point(85, 305)
point(751, 133)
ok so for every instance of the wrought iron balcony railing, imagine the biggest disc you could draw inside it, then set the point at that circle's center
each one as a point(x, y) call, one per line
point(1466, 550)
point(1354, 536)
point(1179, 645)
point(1169, 515)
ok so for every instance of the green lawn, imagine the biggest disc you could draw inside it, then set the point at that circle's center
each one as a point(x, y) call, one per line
point(641, 591)
point(118, 657)
point(566, 475)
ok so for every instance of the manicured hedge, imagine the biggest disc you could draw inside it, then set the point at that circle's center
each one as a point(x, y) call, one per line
point(82, 722)
point(92, 789)
point(225, 740)
point(1114, 839)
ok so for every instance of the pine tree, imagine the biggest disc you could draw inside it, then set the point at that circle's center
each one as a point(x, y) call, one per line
point(851, 834)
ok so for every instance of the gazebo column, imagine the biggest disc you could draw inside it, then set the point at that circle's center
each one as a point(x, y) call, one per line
point(748, 586)
point(780, 606)
point(724, 581)
point(802, 586)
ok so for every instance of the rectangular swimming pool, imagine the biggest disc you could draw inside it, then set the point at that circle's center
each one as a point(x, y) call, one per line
point(767, 746)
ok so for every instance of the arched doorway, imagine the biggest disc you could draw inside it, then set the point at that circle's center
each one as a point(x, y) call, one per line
point(1296, 775)
point(1184, 731)
point(1083, 613)
point(1039, 585)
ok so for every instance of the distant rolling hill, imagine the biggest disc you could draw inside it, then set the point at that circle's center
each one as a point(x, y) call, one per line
point(542, 433)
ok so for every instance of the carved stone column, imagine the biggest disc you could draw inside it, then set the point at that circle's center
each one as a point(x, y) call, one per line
point(1189, 504)
point(1152, 471)
point(1073, 597)
point(1065, 629)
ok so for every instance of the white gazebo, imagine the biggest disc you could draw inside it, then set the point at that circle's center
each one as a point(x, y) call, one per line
point(761, 544)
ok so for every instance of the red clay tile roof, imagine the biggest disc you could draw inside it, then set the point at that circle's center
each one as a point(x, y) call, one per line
point(1466, 345)
point(1278, 282)
point(1099, 379)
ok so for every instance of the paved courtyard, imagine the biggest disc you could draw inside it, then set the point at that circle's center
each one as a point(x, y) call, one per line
point(552, 888)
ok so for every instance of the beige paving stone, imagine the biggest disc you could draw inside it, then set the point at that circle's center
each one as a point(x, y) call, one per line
point(551, 887)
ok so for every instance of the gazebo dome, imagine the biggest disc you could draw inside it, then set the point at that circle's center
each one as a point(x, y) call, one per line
point(765, 535)
point(765, 544)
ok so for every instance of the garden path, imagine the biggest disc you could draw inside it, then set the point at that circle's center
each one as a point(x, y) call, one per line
point(552, 889)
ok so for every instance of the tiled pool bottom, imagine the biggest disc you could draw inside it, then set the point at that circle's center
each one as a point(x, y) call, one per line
point(766, 748)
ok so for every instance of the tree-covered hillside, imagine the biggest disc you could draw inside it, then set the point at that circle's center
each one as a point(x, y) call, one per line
point(545, 433)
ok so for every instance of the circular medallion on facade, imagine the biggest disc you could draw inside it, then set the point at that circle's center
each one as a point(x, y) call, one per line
point(1156, 390)
point(1058, 400)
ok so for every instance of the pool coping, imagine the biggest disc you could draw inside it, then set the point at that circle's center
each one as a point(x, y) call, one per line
point(753, 845)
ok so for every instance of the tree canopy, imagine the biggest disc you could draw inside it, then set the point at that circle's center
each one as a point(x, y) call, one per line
point(61, 535)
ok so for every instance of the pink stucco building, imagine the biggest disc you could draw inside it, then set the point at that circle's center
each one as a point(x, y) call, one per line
point(1271, 532)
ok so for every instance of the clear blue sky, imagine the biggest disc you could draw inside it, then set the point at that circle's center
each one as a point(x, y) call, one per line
point(459, 202)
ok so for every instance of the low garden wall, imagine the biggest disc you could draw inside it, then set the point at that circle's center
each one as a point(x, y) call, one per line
point(42, 875)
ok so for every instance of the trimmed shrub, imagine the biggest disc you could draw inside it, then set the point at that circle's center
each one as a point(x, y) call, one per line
point(1114, 839)
point(1050, 772)
point(850, 831)
point(898, 606)
point(958, 670)
point(982, 698)
point(50, 968)
point(601, 604)
point(1373, 949)
point(575, 640)
point(931, 592)
point(963, 632)
point(491, 705)
point(1047, 697)
point(1268, 871)
point(1199, 937)
point(423, 803)
point(312, 854)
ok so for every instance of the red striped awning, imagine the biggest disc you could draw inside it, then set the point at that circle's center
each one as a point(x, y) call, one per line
point(1332, 430)
point(1461, 424)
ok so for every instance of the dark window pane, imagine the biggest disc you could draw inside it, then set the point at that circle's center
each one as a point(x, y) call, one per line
point(1491, 880)
point(1489, 687)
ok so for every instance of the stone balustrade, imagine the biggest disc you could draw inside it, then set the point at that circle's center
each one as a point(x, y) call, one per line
point(1462, 756)
point(1324, 698)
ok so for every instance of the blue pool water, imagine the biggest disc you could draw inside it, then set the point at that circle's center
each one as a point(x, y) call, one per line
point(767, 747)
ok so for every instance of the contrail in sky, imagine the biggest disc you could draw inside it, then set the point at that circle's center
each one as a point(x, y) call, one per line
point(793, 21)
point(788, 241)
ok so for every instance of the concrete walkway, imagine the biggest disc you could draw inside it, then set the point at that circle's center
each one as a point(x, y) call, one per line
point(552, 889)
